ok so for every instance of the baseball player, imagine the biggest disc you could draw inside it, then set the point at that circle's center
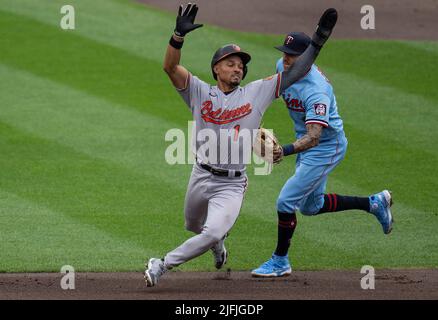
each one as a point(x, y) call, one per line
point(320, 146)
point(216, 189)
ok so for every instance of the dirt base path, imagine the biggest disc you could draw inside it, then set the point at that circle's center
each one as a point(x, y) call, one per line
point(394, 19)
point(389, 284)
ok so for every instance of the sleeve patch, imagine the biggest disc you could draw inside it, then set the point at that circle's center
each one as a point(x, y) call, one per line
point(320, 109)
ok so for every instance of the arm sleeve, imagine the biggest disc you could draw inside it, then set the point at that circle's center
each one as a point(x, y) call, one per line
point(317, 109)
point(279, 66)
point(300, 67)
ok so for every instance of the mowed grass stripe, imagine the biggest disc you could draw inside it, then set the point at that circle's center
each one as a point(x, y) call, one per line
point(171, 113)
point(134, 140)
point(359, 238)
point(431, 46)
point(104, 21)
point(38, 239)
point(86, 65)
point(384, 62)
point(127, 25)
point(158, 238)
point(35, 114)
point(387, 111)
point(347, 174)
point(103, 70)
point(91, 125)
point(393, 64)
point(354, 237)
point(118, 201)
point(399, 106)
point(373, 166)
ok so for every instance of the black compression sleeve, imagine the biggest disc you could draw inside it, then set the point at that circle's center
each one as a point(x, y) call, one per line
point(300, 67)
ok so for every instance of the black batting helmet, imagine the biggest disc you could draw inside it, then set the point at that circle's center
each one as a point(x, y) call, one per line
point(228, 50)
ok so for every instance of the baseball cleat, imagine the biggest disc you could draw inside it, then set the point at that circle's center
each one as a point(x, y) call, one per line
point(277, 266)
point(220, 253)
point(155, 269)
point(380, 206)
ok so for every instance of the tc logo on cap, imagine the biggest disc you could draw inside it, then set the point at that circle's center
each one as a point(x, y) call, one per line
point(289, 39)
point(236, 47)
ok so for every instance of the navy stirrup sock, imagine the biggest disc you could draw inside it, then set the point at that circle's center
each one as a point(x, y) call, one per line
point(286, 227)
point(334, 202)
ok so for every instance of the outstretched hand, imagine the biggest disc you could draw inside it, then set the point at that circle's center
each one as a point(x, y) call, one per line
point(185, 20)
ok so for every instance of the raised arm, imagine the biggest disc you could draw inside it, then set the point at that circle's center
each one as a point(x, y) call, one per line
point(325, 26)
point(184, 24)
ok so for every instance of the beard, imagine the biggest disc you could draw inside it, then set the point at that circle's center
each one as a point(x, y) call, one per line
point(235, 81)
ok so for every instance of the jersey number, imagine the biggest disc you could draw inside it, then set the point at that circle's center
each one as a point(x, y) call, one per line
point(236, 132)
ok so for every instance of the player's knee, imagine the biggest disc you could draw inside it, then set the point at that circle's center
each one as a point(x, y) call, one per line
point(283, 205)
point(288, 218)
point(212, 235)
point(193, 226)
point(308, 211)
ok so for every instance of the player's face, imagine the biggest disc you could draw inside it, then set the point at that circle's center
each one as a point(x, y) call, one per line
point(289, 60)
point(230, 70)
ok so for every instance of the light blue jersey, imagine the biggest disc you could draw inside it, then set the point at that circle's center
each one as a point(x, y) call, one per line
point(311, 100)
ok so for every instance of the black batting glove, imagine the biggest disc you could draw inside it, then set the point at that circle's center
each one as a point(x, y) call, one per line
point(325, 27)
point(185, 20)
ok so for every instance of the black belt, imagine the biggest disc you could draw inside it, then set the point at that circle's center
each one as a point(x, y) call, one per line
point(219, 172)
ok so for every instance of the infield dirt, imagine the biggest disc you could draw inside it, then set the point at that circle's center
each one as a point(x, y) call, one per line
point(394, 19)
point(225, 285)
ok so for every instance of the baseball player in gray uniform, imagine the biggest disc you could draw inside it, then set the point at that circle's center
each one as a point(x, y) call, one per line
point(216, 188)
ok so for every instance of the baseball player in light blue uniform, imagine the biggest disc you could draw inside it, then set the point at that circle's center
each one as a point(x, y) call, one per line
point(320, 146)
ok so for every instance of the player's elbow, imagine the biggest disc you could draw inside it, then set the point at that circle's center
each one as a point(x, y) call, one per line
point(168, 69)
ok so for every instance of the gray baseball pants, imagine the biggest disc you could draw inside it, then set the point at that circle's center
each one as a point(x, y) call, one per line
point(212, 205)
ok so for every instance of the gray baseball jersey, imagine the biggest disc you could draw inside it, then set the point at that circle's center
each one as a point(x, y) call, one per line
point(230, 117)
point(213, 203)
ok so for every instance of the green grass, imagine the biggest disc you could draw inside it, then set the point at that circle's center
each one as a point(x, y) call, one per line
point(83, 116)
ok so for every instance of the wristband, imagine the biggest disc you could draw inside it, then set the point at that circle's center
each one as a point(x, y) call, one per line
point(288, 149)
point(176, 44)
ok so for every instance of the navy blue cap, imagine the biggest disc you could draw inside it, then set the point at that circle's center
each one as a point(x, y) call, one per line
point(295, 43)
